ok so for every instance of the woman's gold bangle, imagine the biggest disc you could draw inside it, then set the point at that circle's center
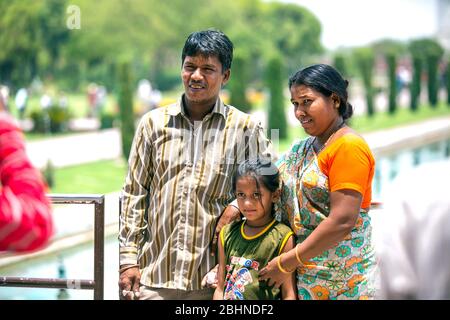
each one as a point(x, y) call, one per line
point(280, 267)
point(298, 256)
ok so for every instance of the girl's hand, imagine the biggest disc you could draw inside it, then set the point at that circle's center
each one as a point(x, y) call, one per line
point(210, 279)
point(273, 275)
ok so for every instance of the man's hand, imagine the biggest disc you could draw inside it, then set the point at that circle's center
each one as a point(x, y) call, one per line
point(129, 283)
point(230, 214)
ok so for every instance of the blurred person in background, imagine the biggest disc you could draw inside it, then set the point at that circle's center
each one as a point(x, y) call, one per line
point(21, 101)
point(4, 96)
point(92, 99)
point(25, 214)
point(148, 96)
point(413, 244)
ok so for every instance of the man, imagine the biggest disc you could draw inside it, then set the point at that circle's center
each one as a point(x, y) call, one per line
point(179, 180)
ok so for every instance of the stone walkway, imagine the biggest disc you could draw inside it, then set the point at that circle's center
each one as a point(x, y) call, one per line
point(106, 144)
point(76, 148)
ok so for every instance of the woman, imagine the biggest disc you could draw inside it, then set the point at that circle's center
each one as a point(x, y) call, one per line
point(326, 194)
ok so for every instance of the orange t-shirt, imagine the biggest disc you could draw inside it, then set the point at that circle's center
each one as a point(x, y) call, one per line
point(349, 164)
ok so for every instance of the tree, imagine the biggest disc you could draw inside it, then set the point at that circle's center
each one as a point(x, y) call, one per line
point(391, 60)
point(54, 32)
point(294, 31)
point(238, 84)
point(339, 64)
point(20, 40)
point(416, 83)
point(274, 79)
point(32, 34)
point(433, 54)
point(126, 108)
point(426, 52)
point(417, 62)
point(447, 82)
point(390, 49)
point(34, 38)
point(365, 60)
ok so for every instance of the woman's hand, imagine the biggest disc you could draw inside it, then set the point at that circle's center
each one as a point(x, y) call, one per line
point(273, 275)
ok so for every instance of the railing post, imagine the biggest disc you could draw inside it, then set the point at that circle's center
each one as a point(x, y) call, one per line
point(99, 254)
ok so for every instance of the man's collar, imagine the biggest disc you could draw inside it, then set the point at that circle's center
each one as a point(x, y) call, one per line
point(177, 108)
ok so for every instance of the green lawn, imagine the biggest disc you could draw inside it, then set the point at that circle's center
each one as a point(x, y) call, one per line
point(29, 136)
point(98, 177)
point(402, 117)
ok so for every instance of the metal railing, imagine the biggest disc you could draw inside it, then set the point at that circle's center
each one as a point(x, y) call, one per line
point(99, 233)
point(376, 205)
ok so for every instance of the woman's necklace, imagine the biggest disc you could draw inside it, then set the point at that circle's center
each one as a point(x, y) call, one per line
point(329, 138)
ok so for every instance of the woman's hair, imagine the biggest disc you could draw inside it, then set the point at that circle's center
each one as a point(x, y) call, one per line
point(263, 171)
point(326, 80)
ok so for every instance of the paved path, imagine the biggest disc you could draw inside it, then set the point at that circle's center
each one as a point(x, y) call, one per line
point(75, 149)
point(103, 145)
point(386, 141)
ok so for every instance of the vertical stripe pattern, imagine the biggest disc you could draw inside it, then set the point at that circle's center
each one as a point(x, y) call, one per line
point(178, 183)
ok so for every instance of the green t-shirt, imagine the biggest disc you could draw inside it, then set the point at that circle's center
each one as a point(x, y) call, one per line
point(245, 256)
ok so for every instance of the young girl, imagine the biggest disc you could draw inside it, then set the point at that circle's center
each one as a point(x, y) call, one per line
point(246, 246)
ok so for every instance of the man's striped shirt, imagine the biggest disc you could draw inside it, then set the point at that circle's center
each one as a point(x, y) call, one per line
point(178, 183)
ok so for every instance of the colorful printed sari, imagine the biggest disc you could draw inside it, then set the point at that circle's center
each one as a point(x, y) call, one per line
point(341, 272)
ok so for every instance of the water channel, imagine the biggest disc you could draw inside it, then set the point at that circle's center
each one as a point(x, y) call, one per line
point(77, 263)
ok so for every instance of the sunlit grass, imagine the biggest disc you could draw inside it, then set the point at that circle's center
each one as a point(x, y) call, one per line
point(403, 116)
point(97, 177)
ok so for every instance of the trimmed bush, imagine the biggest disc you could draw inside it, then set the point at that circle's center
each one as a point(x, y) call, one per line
point(276, 110)
point(107, 120)
point(59, 118)
point(447, 82)
point(126, 109)
point(429, 51)
point(365, 61)
point(392, 67)
point(238, 85)
point(416, 83)
point(55, 119)
point(340, 65)
point(49, 174)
